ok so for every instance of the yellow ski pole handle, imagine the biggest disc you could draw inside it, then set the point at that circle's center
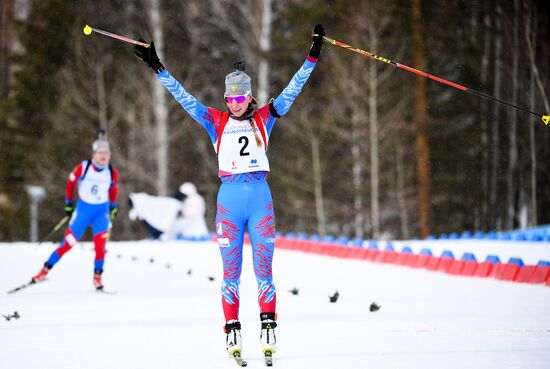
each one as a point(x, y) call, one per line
point(545, 118)
point(88, 31)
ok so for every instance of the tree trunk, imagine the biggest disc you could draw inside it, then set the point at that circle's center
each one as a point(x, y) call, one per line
point(265, 48)
point(513, 148)
point(357, 172)
point(318, 186)
point(101, 97)
point(495, 142)
point(421, 121)
point(160, 107)
point(373, 125)
point(485, 151)
point(531, 47)
point(400, 190)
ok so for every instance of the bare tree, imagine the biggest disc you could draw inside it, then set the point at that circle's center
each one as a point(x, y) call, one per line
point(421, 120)
point(160, 107)
point(495, 141)
point(484, 74)
point(513, 145)
point(265, 48)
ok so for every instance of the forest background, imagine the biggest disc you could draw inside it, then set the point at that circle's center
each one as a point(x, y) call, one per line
point(367, 150)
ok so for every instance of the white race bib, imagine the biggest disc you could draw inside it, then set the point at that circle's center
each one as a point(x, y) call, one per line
point(238, 151)
point(94, 188)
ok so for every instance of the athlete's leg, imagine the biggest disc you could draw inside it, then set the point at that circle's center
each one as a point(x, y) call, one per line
point(261, 228)
point(230, 233)
point(100, 227)
point(77, 226)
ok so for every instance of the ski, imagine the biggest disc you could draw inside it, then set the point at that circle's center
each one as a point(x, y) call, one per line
point(19, 288)
point(238, 359)
point(104, 291)
point(268, 358)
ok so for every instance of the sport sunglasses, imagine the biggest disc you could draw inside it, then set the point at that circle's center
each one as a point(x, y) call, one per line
point(238, 99)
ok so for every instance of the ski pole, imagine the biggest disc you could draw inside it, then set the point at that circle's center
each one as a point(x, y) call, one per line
point(545, 118)
point(54, 230)
point(88, 31)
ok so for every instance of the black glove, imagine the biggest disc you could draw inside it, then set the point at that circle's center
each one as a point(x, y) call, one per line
point(113, 212)
point(69, 208)
point(317, 37)
point(149, 56)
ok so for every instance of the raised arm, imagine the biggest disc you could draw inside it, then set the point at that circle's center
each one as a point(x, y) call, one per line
point(283, 102)
point(199, 112)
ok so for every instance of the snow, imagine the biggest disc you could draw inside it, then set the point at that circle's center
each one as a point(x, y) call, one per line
point(163, 317)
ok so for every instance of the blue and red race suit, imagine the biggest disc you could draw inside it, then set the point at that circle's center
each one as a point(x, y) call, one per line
point(97, 193)
point(244, 199)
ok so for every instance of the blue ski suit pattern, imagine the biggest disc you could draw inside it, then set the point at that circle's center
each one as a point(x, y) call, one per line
point(244, 200)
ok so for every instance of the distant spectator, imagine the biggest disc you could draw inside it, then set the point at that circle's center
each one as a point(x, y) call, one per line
point(180, 215)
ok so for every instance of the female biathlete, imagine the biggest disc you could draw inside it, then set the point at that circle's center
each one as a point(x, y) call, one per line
point(240, 136)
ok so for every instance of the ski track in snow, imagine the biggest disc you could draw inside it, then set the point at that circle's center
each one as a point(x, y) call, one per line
point(163, 317)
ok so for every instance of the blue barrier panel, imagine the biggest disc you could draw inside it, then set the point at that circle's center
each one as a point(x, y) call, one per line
point(543, 263)
point(315, 237)
point(492, 235)
point(466, 235)
point(290, 235)
point(535, 237)
point(516, 261)
point(468, 256)
point(373, 245)
point(302, 236)
point(430, 237)
point(453, 236)
point(520, 236)
point(389, 247)
point(328, 238)
point(426, 252)
point(407, 250)
point(343, 240)
point(443, 236)
point(415, 238)
point(447, 254)
point(505, 236)
point(357, 242)
point(493, 259)
point(479, 234)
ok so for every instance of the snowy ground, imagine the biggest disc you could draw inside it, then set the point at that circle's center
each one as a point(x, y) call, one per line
point(163, 317)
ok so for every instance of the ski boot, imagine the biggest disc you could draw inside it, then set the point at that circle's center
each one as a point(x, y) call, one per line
point(267, 336)
point(41, 274)
point(98, 284)
point(233, 341)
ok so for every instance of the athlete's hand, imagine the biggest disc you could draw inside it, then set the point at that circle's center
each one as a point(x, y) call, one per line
point(113, 212)
point(317, 44)
point(69, 208)
point(149, 56)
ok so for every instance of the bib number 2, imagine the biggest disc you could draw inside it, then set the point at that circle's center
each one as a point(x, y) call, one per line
point(244, 141)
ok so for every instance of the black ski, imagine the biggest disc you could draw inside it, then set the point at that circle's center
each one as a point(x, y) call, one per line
point(106, 292)
point(19, 288)
point(238, 359)
point(268, 358)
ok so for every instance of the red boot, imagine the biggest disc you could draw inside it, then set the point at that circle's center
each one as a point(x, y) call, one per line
point(41, 274)
point(98, 284)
